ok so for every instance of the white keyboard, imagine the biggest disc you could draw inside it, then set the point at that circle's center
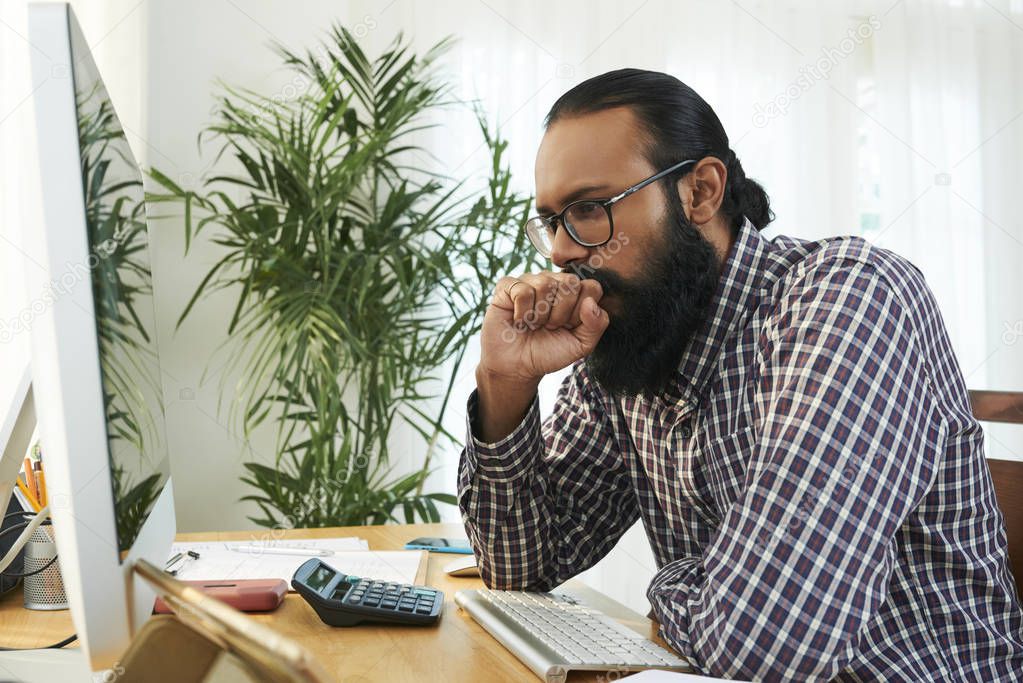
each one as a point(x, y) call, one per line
point(553, 633)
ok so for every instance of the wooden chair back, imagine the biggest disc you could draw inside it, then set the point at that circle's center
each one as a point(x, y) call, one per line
point(1006, 406)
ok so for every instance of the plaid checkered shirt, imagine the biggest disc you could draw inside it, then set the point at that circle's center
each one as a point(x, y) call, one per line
point(812, 482)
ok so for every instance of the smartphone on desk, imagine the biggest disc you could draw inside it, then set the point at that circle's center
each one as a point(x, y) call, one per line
point(440, 545)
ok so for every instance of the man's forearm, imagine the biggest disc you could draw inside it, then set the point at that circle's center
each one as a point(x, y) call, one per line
point(501, 407)
point(498, 504)
point(510, 487)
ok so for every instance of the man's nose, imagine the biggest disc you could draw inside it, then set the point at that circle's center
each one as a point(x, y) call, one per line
point(565, 250)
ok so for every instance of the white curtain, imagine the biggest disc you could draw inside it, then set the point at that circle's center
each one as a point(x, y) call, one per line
point(949, 81)
point(898, 120)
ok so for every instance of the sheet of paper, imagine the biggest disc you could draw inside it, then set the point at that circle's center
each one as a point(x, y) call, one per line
point(239, 560)
point(400, 566)
point(217, 560)
point(670, 677)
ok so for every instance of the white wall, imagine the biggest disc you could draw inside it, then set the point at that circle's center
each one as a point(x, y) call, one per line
point(924, 109)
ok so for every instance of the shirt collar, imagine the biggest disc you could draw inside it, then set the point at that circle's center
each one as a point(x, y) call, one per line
point(738, 291)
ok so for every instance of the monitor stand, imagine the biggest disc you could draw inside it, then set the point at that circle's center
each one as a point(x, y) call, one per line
point(48, 666)
point(19, 421)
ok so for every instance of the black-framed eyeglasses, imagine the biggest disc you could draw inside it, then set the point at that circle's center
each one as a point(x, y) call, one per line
point(587, 221)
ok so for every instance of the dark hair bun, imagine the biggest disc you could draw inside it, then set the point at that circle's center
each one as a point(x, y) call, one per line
point(745, 197)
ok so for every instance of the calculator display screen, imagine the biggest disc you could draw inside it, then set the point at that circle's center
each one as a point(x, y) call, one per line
point(320, 578)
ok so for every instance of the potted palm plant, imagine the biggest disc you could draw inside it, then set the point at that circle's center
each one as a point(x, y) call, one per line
point(360, 277)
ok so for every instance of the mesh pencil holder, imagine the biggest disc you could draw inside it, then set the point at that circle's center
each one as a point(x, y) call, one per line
point(45, 590)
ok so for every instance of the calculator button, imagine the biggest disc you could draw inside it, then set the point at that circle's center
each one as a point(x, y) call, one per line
point(371, 602)
point(405, 608)
point(388, 604)
point(423, 610)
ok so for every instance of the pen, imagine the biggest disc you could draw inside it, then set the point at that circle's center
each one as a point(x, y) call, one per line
point(258, 549)
point(184, 558)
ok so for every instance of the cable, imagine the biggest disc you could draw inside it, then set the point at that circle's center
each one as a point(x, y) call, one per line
point(56, 646)
point(25, 513)
point(22, 575)
point(15, 527)
point(22, 540)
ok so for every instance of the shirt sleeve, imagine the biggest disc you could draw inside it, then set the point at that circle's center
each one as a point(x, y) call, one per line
point(547, 501)
point(848, 443)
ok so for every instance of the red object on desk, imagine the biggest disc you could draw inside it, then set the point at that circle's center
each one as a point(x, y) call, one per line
point(247, 595)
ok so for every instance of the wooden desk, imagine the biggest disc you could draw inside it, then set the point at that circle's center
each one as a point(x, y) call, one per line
point(455, 650)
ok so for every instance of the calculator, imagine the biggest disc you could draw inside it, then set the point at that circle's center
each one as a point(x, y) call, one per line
point(345, 600)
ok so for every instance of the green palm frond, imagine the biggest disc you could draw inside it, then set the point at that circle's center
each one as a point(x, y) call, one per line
point(358, 278)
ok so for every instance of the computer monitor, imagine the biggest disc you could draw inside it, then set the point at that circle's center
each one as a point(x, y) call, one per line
point(95, 359)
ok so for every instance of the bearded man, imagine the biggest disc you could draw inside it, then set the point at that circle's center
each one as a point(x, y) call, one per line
point(787, 418)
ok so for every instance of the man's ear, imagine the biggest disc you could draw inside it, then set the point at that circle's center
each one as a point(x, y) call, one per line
point(702, 190)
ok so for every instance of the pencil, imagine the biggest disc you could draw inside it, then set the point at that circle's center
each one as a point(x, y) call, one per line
point(31, 480)
point(42, 488)
point(28, 496)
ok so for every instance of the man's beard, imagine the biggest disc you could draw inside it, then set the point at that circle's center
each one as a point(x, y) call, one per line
point(657, 313)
